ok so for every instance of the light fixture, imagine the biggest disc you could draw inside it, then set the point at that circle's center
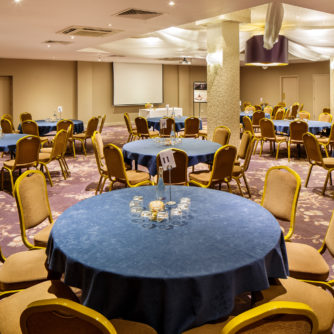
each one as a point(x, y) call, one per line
point(185, 61)
point(171, 3)
point(257, 55)
point(17, 1)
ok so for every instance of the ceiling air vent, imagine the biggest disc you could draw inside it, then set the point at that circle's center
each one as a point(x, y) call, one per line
point(138, 14)
point(57, 42)
point(87, 31)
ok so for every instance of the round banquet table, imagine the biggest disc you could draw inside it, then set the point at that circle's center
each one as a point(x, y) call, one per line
point(179, 123)
point(45, 126)
point(144, 152)
point(313, 126)
point(8, 141)
point(170, 279)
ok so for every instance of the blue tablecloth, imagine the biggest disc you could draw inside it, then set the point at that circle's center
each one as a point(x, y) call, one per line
point(313, 126)
point(170, 279)
point(250, 115)
point(144, 152)
point(179, 123)
point(45, 127)
point(8, 141)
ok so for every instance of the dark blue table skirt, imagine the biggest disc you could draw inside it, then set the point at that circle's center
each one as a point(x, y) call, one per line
point(45, 127)
point(171, 279)
point(314, 127)
point(154, 122)
point(144, 152)
point(8, 141)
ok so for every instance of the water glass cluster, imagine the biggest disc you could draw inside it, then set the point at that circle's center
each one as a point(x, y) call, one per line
point(166, 219)
point(168, 141)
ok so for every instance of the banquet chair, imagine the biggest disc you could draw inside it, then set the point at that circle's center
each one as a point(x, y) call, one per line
point(308, 264)
point(257, 107)
point(301, 107)
point(6, 125)
point(57, 153)
point(132, 131)
point(65, 124)
point(27, 150)
point(279, 114)
point(30, 127)
point(268, 110)
point(221, 135)
point(249, 127)
point(99, 156)
point(64, 316)
point(275, 317)
point(304, 115)
point(21, 270)
point(325, 117)
point(82, 137)
point(170, 125)
point(250, 108)
point(10, 118)
point(294, 290)
point(12, 306)
point(327, 141)
point(281, 104)
point(116, 169)
point(143, 131)
point(25, 116)
point(315, 158)
point(297, 130)
point(33, 207)
point(103, 119)
point(245, 104)
point(179, 174)
point(294, 110)
point(273, 114)
point(222, 168)
point(326, 110)
point(257, 116)
point(191, 128)
point(245, 153)
point(268, 134)
point(280, 195)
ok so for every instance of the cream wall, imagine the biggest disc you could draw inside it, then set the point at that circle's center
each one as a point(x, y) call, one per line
point(256, 82)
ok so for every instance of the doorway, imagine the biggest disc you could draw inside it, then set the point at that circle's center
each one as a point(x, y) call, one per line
point(290, 89)
point(6, 95)
point(321, 94)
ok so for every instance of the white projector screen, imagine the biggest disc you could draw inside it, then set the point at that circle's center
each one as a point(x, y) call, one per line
point(137, 84)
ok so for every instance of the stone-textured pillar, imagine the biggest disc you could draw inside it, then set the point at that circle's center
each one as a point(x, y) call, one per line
point(331, 88)
point(223, 78)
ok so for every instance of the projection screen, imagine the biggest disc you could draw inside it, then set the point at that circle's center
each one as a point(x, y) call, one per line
point(137, 84)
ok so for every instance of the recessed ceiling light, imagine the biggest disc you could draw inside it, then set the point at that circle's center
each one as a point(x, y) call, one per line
point(17, 1)
point(109, 25)
point(171, 3)
point(72, 37)
point(48, 45)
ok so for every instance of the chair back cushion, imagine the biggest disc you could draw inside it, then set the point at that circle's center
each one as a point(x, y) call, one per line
point(221, 135)
point(325, 117)
point(59, 144)
point(170, 125)
point(92, 126)
point(64, 125)
point(30, 127)
point(257, 116)
point(248, 124)
point(312, 148)
point(297, 130)
point(223, 163)
point(141, 125)
point(245, 140)
point(191, 126)
point(6, 125)
point(280, 113)
point(25, 116)
point(115, 163)
point(267, 128)
point(27, 150)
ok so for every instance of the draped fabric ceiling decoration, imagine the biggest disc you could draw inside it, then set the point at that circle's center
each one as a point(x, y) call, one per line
point(310, 34)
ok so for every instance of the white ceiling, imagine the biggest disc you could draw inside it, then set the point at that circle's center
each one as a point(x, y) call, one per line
point(26, 26)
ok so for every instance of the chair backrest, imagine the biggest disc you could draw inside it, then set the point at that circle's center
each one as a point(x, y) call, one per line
point(249, 108)
point(301, 107)
point(179, 174)
point(27, 150)
point(276, 107)
point(280, 113)
point(312, 148)
point(59, 144)
point(223, 162)
point(325, 117)
point(191, 126)
point(257, 107)
point(92, 126)
point(221, 135)
point(102, 123)
point(30, 127)
point(245, 104)
point(249, 153)
point(32, 201)
point(248, 126)
point(281, 192)
point(58, 315)
point(25, 116)
point(244, 144)
point(142, 126)
point(98, 149)
point(127, 122)
point(278, 317)
point(281, 104)
point(297, 130)
point(294, 110)
point(170, 125)
point(267, 128)
point(268, 110)
point(257, 116)
point(6, 125)
point(64, 125)
point(326, 110)
point(304, 114)
point(331, 134)
point(114, 160)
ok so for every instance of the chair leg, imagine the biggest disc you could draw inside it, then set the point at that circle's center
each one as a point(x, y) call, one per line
point(247, 186)
point(261, 148)
point(73, 148)
point(11, 180)
point(308, 175)
point(66, 166)
point(102, 185)
point(228, 186)
point(255, 148)
point(98, 185)
point(289, 151)
point(239, 186)
point(325, 184)
point(83, 143)
point(110, 185)
point(62, 168)
point(47, 173)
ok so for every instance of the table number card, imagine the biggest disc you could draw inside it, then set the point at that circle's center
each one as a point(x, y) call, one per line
point(167, 159)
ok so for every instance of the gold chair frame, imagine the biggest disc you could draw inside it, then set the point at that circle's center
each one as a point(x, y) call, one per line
point(325, 142)
point(297, 130)
point(132, 132)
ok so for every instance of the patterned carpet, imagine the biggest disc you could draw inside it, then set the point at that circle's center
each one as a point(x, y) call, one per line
point(313, 211)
